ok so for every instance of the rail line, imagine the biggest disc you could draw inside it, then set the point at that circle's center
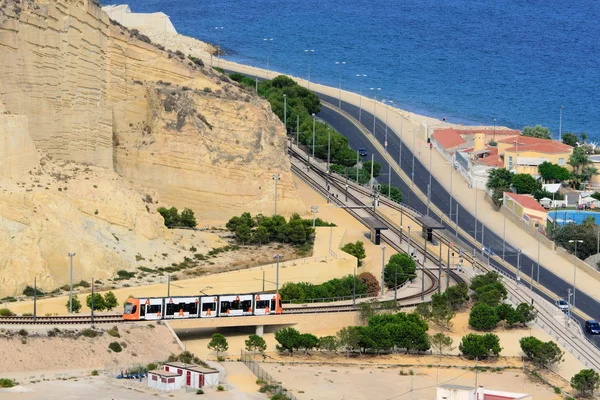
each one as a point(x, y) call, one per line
point(61, 320)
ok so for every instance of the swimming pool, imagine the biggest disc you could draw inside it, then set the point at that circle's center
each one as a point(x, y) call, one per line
point(572, 216)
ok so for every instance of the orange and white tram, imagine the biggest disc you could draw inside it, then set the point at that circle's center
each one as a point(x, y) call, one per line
point(184, 307)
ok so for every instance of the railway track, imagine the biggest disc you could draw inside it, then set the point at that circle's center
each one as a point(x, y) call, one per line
point(61, 320)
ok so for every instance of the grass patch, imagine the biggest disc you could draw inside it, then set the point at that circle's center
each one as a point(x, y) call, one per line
point(115, 346)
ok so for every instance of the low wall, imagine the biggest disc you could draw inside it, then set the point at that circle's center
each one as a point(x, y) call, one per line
point(549, 244)
point(581, 264)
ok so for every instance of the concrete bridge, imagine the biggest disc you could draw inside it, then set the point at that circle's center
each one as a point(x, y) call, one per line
point(259, 321)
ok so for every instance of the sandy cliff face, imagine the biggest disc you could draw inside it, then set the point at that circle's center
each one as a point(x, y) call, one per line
point(78, 90)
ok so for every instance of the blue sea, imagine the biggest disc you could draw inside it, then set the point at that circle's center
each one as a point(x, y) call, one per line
point(470, 61)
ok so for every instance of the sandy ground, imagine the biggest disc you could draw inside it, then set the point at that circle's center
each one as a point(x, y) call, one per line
point(240, 384)
point(329, 382)
point(146, 342)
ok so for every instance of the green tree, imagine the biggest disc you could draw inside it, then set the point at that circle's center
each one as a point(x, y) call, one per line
point(484, 280)
point(524, 183)
point(585, 232)
point(541, 353)
point(170, 216)
point(393, 193)
point(218, 343)
point(473, 345)
point(307, 341)
point(357, 249)
point(328, 343)
point(552, 172)
point(261, 235)
point(366, 167)
point(483, 317)
point(570, 138)
point(458, 295)
point(525, 313)
point(255, 343)
point(99, 304)
point(537, 131)
point(586, 381)
point(187, 218)
point(243, 233)
point(499, 178)
point(288, 339)
point(578, 160)
point(76, 304)
point(348, 338)
point(110, 301)
point(441, 343)
point(400, 268)
point(296, 233)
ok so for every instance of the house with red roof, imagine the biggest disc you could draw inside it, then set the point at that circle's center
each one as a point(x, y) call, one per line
point(527, 208)
point(523, 154)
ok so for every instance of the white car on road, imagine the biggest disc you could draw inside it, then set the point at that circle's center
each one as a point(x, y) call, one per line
point(562, 305)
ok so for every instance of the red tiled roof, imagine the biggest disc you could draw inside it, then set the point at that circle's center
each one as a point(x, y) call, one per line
point(492, 159)
point(527, 143)
point(526, 201)
point(448, 138)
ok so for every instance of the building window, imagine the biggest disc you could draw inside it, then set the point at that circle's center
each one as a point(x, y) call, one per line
point(561, 161)
point(510, 162)
point(171, 380)
point(154, 378)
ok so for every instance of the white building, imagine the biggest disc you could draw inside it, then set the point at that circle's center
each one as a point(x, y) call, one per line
point(193, 375)
point(164, 380)
point(457, 392)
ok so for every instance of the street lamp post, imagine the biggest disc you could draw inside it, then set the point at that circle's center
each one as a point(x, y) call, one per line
point(382, 269)
point(450, 197)
point(518, 266)
point(313, 141)
point(219, 29)
point(285, 112)
point(494, 129)
point(314, 210)
point(360, 76)
point(574, 267)
point(503, 230)
point(386, 125)
point(276, 178)
point(309, 52)
point(538, 260)
point(429, 186)
point(267, 41)
point(374, 107)
point(339, 64)
point(277, 257)
point(71, 255)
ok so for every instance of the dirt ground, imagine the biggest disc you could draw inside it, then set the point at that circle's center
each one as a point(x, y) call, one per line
point(240, 384)
point(68, 350)
point(332, 382)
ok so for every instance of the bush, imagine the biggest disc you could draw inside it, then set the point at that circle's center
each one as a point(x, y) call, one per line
point(5, 312)
point(110, 300)
point(6, 383)
point(23, 332)
point(89, 333)
point(372, 283)
point(76, 304)
point(356, 249)
point(151, 366)
point(541, 353)
point(29, 291)
point(199, 391)
point(336, 287)
point(473, 345)
point(115, 346)
point(278, 396)
point(114, 332)
point(220, 388)
point(98, 302)
point(399, 269)
point(483, 317)
point(586, 381)
point(94, 372)
point(393, 193)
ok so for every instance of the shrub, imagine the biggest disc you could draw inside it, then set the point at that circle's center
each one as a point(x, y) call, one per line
point(98, 302)
point(399, 269)
point(6, 383)
point(199, 391)
point(114, 332)
point(76, 304)
point(371, 282)
point(483, 317)
point(220, 388)
point(586, 381)
point(151, 366)
point(95, 372)
point(357, 249)
point(89, 333)
point(541, 353)
point(5, 312)
point(278, 396)
point(110, 300)
point(115, 346)
point(473, 345)
point(23, 332)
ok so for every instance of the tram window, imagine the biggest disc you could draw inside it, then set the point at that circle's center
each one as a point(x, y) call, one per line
point(172, 309)
point(211, 306)
point(134, 309)
point(272, 304)
point(128, 308)
point(235, 305)
point(225, 305)
point(246, 305)
point(154, 308)
point(262, 304)
point(142, 310)
point(279, 301)
point(191, 308)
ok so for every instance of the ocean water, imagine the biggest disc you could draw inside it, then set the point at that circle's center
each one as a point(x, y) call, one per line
point(470, 61)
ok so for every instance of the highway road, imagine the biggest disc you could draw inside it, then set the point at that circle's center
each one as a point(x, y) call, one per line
point(441, 198)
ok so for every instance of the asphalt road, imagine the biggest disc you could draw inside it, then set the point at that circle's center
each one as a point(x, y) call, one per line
point(441, 198)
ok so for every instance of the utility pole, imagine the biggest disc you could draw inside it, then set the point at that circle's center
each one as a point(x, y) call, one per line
point(448, 270)
point(372, 163)
point(575, 269)
point(382, 269)
point(313, 141)
point(456, 227)
point(423, 272)
point(339, 64)
point(276, 178)
point(169, 285)
point(475, 187)
point(440, 271)
point(408, 238)
point(277, 257)
point(314, 210)
point(357, 161)
point(518, 267)
point(71, 255)
point(92, 301)
point(354, 290)
point(504, 229)
point(35, 298)
point(263, 281)
point(309, 52)
point(538, 260)
point(285, 112)
point(297, 130)
point(219, 30)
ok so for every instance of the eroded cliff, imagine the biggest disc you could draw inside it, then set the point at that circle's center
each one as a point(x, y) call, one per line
point(79, 90)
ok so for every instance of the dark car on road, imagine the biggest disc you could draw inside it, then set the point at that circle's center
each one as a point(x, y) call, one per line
point(362, 151)
point(592, 327)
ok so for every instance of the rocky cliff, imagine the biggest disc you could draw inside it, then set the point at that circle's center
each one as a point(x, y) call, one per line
point(80, 92)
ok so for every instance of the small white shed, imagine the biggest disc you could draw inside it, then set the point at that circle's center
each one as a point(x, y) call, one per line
point(193, 375)
point(164, 380)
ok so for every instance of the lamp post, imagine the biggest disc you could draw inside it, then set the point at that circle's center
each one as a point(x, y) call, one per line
point(339, 64)
point(374, 107)
point(71, 255)
point(408, 238)
point(559, 138)
point(360, 77)
point(450, 197)
point(314, 210)
point(276, 178)
point(385, 142)
point(494, 129)
point(429, 185)
point(285, 112)
point(518, 266)
point(313, 141)
point(267, 41)
point(574, 267)
point(504, 229)
point(538, 260)
point(219, 29)
point(277, 257)
point(382, 269)
point(309, 52)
